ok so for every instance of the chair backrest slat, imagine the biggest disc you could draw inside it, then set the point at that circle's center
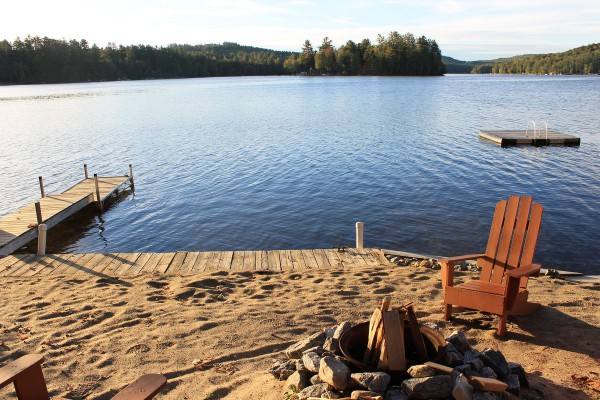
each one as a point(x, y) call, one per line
point(492, 245)
point(508, 229)
point(513, 237)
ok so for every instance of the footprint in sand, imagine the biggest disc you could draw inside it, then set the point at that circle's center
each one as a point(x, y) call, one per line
point(138, 349)
point(157, 285)
point(385, 290)
point(158, 298)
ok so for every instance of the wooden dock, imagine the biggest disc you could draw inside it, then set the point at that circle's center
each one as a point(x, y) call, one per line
point(20, 227)
point(186, 263)
point(523, 137)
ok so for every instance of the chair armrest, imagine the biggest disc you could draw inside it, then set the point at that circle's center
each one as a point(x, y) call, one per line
point(528, 270)
point(144, 388)
point(452, 260)
point(27, 376)
point(11, 371)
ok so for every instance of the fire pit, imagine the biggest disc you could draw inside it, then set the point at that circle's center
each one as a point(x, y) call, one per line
point(353, 344)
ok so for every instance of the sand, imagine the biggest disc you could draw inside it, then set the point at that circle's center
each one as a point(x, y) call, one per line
point(214, 335)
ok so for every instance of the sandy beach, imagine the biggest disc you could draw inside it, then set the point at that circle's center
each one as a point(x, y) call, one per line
point(214, 334)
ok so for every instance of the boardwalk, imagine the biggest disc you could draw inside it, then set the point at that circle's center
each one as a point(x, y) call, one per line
point(186, 263)
point(20, 227)
point(511, 138)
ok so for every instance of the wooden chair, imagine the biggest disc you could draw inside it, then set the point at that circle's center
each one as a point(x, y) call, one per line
point(27, 376)
point(505, 265)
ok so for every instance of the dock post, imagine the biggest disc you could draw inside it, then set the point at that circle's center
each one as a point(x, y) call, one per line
point(42, 187)
point(85, 171)
point(42, 233)
point(131, 177)
point(359, 235)
point(99, 200)
point(38, 212)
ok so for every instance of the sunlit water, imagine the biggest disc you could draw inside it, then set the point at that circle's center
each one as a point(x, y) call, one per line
point(294, 162)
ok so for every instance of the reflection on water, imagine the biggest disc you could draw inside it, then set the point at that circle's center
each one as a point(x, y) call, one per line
point(288, 162)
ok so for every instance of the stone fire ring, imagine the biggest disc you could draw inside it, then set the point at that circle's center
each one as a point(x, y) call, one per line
point(353, 344)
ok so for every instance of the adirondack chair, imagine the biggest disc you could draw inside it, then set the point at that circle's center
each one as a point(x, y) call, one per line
point(506, 265)
point(27, 376)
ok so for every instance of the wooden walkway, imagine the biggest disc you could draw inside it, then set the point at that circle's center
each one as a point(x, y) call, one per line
point(512, 138)
point(20, 227)
point(186, 263)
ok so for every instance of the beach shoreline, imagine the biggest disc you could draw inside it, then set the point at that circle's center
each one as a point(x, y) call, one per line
point(99, 333)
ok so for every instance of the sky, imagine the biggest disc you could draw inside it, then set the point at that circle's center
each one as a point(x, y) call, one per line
point(466, 30)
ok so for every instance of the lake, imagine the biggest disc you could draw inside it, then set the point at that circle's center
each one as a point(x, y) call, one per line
point(293, 162)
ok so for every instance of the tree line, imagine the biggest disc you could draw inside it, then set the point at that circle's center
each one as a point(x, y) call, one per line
point(579, 61)
point(46, 60)
point(392, 55)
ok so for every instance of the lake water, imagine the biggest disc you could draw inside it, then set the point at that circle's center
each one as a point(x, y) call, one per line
point(294, 162)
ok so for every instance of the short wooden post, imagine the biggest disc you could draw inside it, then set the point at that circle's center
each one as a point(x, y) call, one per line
point(359, 235)
point(38, 212)
point(42, 187)
point(131, 177)
point(85, 171)
point(99, 201)
point(42, 233)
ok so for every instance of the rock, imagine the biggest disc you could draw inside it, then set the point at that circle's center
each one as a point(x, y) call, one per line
point(484, 396)
point(395, 393)
point(343, 327)
point(487, 372)
point(315, 380)
point(518, 370)
point(300, 365)
point(365, 394)
point(421, 371)
point(476, 364)
point(462, 389)
point(459, 341)
point(435, 387)
point(332, 345)
point(452, 357)
point(496, 361)
point(514, 386)
point(334, 372)
point(317, 349)
point(373, 381)
point(282, 369)
point(296, 350)
point(296, 382)
point(322, 390)
point(311, 361)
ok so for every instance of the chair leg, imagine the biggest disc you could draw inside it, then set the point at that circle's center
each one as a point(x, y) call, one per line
point(501, 331)
point(31, 385)
point(447, 311)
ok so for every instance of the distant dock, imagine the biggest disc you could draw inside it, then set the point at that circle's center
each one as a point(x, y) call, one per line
point(21, 226)
point(524, 138)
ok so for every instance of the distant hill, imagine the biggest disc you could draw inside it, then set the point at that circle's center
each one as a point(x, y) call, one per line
point(579, 61)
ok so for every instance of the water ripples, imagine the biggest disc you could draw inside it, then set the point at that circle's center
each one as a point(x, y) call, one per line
point(288, 162)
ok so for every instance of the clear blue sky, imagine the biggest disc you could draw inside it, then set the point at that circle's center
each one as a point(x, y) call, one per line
point(467, 30)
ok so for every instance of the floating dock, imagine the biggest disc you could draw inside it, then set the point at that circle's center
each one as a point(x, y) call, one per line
point(524, 137)
point(21, 226)
point(186, 263)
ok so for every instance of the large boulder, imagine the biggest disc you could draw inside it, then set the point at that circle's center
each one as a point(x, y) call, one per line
point(435, 387)
point(334, 372)
point(296, 350)
point(373, 381)
point(321, 390)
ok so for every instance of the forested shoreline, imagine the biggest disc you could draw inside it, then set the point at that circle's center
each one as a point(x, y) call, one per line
point(46, 60)
point(583, 60)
